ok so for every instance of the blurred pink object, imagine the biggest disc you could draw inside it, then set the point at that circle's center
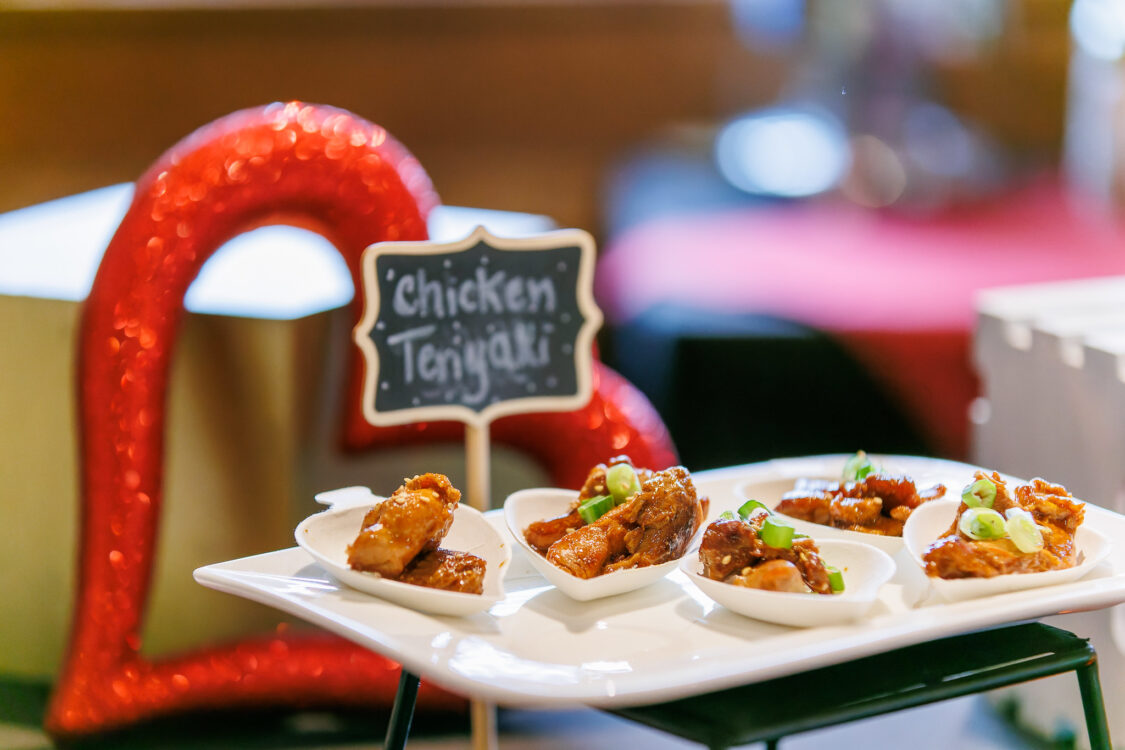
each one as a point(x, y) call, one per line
point(897, 292)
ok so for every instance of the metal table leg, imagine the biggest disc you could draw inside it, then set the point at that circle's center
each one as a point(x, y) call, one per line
point(402, 713)
point(1092, 704)
point(905, 678)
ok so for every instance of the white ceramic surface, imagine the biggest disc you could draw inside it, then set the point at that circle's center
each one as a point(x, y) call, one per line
point(865, 570)
point(933, 519)
point(348, 497)
point(538, 647)
point(326, 536)
point(527, 506)
point(769, 492)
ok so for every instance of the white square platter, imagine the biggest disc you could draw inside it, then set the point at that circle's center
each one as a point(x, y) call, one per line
point(537, 647)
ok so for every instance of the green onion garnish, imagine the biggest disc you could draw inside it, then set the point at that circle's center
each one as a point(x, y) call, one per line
point(747, 508)
point(835, 579)
point(622, 482)
point(979, 494)
point(595, 508)
point(982, 523)
point(1023, 530)
point(727, 515)
point(776, 533)
point(857, 467)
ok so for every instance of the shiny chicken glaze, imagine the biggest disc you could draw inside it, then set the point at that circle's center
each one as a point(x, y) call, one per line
point(542, 534)
point(878, 504)
point(447, 570)
point(1056, 511)
point(400, 538)
point(653, 527)
point(732, 552)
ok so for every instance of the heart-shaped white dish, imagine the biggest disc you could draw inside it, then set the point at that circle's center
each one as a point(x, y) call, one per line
point(326, 537)
point(864, 567)
point(931, 520)
point(527, 506)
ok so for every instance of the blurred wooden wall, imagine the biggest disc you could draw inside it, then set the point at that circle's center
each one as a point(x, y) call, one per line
point(1016, 87)
point(518, 106)
point(515, 107)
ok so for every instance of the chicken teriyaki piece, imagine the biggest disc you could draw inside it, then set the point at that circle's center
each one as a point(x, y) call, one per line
point(413, 520)
point(1000, 530)
point(447, 570)
point(734, 551)
point(653, 526)
point(617, 479)
point(877, 504)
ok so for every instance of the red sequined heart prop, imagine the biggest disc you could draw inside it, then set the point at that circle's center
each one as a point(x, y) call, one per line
point(311, 166)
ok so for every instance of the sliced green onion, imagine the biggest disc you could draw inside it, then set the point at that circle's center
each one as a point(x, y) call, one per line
point(982, 523)
point(979, 494)
point(1023, 530)
point(622, 482)
point(776, 533)
point(858, 467)
point(727, 515)
point(835, 579)
point(595, 508)
point(747, 508)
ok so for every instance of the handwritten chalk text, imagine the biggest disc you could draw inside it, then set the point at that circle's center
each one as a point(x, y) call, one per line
point(510, 348)
point(417, 295)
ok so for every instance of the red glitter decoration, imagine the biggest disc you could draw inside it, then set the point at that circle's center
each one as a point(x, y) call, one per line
point(311, 166)
point(619, 419)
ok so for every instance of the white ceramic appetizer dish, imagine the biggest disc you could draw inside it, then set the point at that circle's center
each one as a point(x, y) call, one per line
point(326, 537)
point(527, 506)
point(865, 570)
point(933, 519)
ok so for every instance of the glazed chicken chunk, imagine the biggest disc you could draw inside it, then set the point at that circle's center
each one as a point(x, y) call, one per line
point(542, 534)
point(653, 527)
point(878, 504)
point(447, 570)
point(414, 519)
point(733, 552)
point(1056, 512)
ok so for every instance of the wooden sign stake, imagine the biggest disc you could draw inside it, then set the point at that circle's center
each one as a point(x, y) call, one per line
point(482, 719)
point(478, 464)
point(482, 715)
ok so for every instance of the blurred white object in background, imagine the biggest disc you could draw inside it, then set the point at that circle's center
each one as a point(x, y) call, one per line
point(1098, 28)
point(1051, 358)
point(788, 152)
point(1095, 119)
point(274, 272)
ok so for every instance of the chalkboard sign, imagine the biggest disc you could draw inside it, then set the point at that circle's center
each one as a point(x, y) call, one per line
point(476, 329)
